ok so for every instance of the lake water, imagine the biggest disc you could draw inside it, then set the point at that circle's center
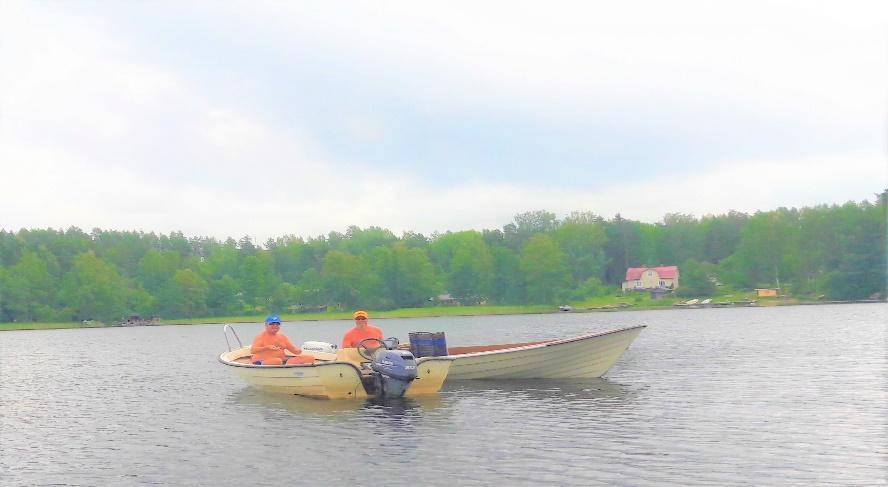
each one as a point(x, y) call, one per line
point(742, 396)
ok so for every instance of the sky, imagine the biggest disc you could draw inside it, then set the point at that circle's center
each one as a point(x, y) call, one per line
point(269, 119)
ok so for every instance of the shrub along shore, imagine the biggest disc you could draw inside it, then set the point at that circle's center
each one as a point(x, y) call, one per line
point(59, 276)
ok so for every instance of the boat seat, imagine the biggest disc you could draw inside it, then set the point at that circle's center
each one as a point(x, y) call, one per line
point(350, 355)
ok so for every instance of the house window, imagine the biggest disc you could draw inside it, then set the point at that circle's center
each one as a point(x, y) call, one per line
point(650, 273)
point(662, 283)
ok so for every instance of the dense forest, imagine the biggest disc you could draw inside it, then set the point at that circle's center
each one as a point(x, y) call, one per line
point(69, 275)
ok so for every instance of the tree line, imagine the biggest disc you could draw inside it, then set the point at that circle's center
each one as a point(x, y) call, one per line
point(838, 251)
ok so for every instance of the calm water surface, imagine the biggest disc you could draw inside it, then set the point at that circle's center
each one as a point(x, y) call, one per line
point(755, 396)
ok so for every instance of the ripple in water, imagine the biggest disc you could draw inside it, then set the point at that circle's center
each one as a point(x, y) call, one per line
point(771, 396)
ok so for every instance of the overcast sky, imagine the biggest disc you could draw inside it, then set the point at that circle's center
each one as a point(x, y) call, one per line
point(300, 118)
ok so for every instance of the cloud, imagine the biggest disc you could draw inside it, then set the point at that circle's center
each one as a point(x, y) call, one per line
point(751, 185)
point(781, 59)
point(96, 133)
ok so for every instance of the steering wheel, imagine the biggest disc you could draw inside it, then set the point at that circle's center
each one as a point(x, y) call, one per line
point(367, 351)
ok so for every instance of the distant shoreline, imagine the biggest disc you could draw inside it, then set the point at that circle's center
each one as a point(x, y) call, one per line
point(429, 313)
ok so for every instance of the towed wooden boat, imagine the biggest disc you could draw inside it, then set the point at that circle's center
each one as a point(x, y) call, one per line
point(345, 374)
point(579, 357)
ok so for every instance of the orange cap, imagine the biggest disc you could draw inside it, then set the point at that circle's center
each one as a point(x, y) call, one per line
point(360, 314)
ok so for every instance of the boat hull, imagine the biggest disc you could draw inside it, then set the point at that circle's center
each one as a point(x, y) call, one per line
point(585, 356)
point(330, 379)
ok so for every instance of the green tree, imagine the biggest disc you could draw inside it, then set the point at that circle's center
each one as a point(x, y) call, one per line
point(622, 249)
point(695, 279)
point(507, 285)
point(184, 296)
point(545, 270)
point(123, 250)
point(93, 290)
point(224, 296)
point(414, 240)
point(471, 268)
point(285, 296)
point(311, 291)
point(406, 274)
point(358, 241)
point(348, 280)
point(590, 288)
point(68, 245)
point(139, 301)
point(222, 261)
point(291, 259)
point(583, 243)
point(680, 238)
point(155, 268)
point(722, 235)
point(29, 289)
point(258, 280)
point(526, 225)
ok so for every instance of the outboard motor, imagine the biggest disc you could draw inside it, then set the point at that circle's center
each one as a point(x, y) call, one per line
point(393, 370)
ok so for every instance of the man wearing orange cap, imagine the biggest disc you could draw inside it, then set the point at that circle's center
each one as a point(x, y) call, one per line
point(362, 330)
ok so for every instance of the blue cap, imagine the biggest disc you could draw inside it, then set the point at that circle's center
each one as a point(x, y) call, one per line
point(273, 319)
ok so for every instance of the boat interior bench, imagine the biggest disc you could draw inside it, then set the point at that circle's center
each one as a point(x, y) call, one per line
point(490, 348)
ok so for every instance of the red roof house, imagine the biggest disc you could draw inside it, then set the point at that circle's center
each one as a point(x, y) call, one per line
point(648, 278)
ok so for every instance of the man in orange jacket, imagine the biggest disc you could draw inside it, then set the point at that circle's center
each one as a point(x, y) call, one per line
point(362, 330)
point(268, 347)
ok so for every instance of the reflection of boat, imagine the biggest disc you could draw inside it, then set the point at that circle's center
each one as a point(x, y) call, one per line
point(314, 407)
point(557, 390)
point(350, 373)
point(584, 356)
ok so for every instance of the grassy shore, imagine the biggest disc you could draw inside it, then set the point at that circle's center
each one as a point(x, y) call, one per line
point(637, 301)
point(332, 315)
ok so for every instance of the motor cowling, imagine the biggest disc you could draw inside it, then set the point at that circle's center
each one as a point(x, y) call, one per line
point(394, 371)
point(397, 364)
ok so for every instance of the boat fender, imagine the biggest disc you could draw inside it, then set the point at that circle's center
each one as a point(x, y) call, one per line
point(319, 347)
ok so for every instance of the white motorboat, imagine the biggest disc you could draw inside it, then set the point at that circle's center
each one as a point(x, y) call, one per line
point(349, 373)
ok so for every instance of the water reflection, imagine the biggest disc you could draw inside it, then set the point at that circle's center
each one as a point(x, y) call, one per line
point(387, 408)
point(562, 390)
